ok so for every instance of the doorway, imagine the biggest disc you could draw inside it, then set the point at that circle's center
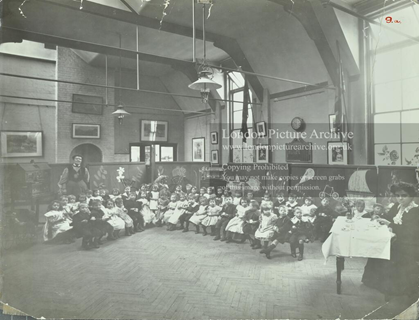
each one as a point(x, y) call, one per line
point(89, 152)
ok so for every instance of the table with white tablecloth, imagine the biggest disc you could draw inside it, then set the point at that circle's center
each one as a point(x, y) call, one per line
point(363, 237)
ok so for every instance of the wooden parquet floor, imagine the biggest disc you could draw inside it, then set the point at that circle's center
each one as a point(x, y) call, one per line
point(173, 275)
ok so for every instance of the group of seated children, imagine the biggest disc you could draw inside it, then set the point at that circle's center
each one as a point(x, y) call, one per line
point(226, 217)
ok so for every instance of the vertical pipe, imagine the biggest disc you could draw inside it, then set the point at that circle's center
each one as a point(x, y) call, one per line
point(193, 33)
point(138, 60)
point(203, 32)
point(106, 80)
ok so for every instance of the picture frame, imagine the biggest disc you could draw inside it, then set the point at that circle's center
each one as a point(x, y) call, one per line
point(337, 153)
point(214, 157)
point(198, 149)
point(332, 122)
point(262, 153)
point(87, 104)
point(16, 144)
point(154, 130)
point(261, 128)
point(85, 131)
point(214, 137)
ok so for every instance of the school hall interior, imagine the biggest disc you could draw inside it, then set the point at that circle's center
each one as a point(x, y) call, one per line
point(129, 128)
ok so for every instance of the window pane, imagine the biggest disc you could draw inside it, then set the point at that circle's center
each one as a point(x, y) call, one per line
point(147, 155)
point(387, 66)
point(387, 154)
point(410, 126)
point(157, 151)
point(410, 154)
point(387, 127)
point(388, 96)
point(411, 93)
point(166, 153)
point(410, 64)
point(135, 154)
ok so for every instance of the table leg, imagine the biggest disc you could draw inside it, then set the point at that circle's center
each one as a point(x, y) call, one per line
point(340, 266)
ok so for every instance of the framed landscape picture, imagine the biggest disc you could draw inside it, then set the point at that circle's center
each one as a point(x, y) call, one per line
point(21, 144)
point(154, 130)
point(85, 131)
point(198, 149)
point(87, 104)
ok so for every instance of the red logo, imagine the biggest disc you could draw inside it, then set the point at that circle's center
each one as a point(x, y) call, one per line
point(390, 20)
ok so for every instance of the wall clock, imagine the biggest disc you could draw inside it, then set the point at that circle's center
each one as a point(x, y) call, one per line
point(298, 124)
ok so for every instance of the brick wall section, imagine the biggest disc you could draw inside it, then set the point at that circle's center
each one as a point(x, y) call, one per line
point(71, 67)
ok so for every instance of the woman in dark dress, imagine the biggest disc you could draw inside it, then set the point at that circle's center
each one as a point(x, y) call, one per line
point(400, 275)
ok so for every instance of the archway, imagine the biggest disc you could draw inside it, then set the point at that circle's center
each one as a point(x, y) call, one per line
point(89, 152)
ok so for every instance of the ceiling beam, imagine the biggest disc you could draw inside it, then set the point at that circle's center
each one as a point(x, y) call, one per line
point(228, 44)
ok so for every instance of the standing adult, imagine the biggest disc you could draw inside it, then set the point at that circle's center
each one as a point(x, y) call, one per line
point(75, 178)
point(400, 275)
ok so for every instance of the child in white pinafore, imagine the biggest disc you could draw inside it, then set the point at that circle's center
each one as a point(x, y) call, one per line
point(200, 214)
point(154, 199)
point(115, 221)
point(145, 211)
point(236, 224)
point(266, 227)
point(213, 214)
point(181, 206)
point(170, 207)
point(122, 213)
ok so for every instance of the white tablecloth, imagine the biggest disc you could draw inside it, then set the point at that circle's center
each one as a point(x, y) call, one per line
point(360, 238)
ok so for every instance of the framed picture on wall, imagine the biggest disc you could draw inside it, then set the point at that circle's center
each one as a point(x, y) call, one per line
point(332, 123)
point(154, 130)
point(262, 153)
point(85, 131)
point(337, 153)
point(214, 137)
point(87, 104)
point(21, 144)
point(214, 157)
point(261, 128)
point(198, 149)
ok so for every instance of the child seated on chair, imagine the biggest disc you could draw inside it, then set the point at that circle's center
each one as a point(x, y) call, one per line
point(193, 206)
point(122, 213)
point(251, 223)
point(308, 206)
point(266, 228)
point(213, 213)
point(291, 203)
point(299, 234)
point(171, 207)
point(228, 211)
point(324, 219)
point(235, 225)
point(200, 214)
point(181, 206)
point(134, 208)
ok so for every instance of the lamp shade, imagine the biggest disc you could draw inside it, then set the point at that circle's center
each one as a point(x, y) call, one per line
point(120, 111)
point(204, 83)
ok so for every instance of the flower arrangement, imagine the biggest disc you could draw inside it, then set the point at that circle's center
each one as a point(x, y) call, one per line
point(415, 158)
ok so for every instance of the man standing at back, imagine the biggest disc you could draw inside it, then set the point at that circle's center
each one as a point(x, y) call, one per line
point(75, 178)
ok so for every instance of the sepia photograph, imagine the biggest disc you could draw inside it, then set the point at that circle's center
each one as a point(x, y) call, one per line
point(209, 159)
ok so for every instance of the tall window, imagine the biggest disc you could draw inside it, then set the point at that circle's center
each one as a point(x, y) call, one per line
point(395, 76)
point(241, 151)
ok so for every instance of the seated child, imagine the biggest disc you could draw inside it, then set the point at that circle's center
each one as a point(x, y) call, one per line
point(115, 194)
point(308, 206)
point(89, 195)
point(65, 207)
point(299, 233)
point(251, 222)
point(72, 204)
point(213, 213)
point(188, 189)
point(115, 221)
point(95, 196)
point(324, 220)
point(235, 225)
point(282, 227)
point(291, 203)
point(122, 213)
point(200, 214)
point(83, 199)
point(133, 208)
point(125, 194)
point(266, 201)
point(171, 207)
point(57, 227)
point(228, 212)
point(145, 211)
point(193, 206)
point(181, 206)
point(359, 210)
point(378, 212)
point(279, 201)
point(84, 228)
point(154, 199)
point(104, 193)
point(237, 198)
point(100, 221)
point(220, 195)
point(161, 210)
point(266, 228)
point(250, 196)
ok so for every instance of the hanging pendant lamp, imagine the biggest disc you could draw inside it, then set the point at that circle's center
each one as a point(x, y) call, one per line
point(120, 112)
